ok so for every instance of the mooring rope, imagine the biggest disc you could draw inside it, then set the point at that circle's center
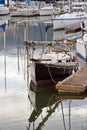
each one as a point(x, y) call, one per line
point(51, 75)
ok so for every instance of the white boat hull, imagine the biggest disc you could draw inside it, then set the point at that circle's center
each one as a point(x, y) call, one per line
point(66, 20)
point(44, 12)
point(4, 11)
point(48, 11)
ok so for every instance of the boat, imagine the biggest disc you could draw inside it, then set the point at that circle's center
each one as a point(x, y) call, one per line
point(43, 72)
point(24, 12)
point(48, 10)
point(68, 19)
point(71, 18)
point(22, 9)
point(79, 6)
point(4, 10)
point(53, 66)
point(81, 47)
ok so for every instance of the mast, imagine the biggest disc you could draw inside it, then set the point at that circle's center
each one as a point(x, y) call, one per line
point(7, 3)
point(69, 6)
point(5, 57)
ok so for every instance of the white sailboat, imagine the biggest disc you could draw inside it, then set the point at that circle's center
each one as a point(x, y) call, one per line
point(23, 9)
point(68, 19)
point(48, 10)
point(81, 6)
point(4, 10)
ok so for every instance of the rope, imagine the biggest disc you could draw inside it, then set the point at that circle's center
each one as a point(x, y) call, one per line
point(51, 75)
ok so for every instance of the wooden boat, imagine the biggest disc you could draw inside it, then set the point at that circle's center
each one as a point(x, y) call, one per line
point(52, 67)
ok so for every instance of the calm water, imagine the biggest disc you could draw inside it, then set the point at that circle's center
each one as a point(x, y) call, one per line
point(22, 108)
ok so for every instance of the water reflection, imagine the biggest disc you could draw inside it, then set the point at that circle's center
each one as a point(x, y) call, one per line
point(14, 103)
point(41, 99)
point(13, 90)
point(29, 107)
point(53, 110)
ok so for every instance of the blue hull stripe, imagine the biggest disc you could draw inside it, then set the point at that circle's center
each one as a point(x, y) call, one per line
point(72, 18)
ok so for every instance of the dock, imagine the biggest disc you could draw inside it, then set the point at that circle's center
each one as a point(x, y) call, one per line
point(76, 83)
point(71, 96)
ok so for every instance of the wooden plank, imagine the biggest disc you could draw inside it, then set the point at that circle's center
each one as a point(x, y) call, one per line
point(75, 83)
point(50, 43)
point(71, 96)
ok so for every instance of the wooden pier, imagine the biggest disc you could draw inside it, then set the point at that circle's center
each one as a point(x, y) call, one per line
point(71, 96)
point(76, 83)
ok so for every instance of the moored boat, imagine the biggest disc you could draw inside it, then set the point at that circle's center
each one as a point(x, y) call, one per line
point(4, 10)
point(48, 10)
point(53, 67)
point(68, 19)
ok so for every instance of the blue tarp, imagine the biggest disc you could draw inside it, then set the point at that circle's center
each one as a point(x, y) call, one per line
point(49, 1)
point(2, 1)
point(2, 27)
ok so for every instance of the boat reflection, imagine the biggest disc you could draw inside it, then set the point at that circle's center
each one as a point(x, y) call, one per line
point(45, 103)
point(42, 101)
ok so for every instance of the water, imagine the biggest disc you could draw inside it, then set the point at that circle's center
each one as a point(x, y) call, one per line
point(21, 106)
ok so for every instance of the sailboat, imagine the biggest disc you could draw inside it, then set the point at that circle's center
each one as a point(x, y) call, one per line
point(4, 10)
point(51, 67)
point(24, 10)
point(48, 9)
point(49, 63)
point(68, 19)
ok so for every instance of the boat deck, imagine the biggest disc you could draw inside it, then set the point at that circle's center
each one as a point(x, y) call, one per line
point(76, 83)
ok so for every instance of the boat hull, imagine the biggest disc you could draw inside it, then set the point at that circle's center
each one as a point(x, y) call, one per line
point(45, 12)
point(43, 74)
point(48, 12)
point(61, 24)
point(66, 20)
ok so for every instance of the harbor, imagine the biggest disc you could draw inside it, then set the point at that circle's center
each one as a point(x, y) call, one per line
point(43, 67)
